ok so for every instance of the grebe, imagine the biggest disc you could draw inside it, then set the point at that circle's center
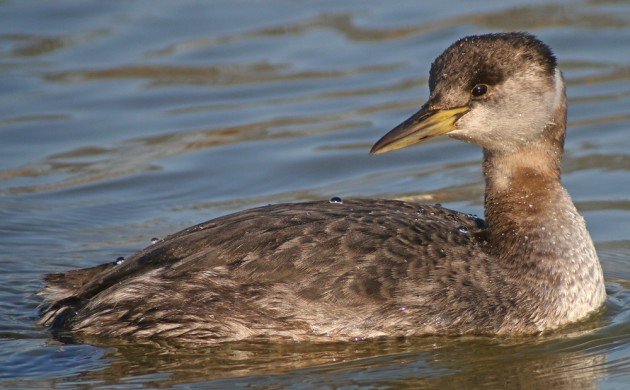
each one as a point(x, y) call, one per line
point(355, 269)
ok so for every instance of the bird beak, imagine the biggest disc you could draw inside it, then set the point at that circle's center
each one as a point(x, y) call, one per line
point(424, 124)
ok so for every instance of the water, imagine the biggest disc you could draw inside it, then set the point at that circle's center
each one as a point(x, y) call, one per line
point(123, 121)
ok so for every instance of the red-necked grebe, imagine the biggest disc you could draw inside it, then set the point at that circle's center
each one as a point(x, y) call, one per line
point(341, 270)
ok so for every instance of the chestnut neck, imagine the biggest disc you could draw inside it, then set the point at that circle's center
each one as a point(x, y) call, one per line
point(535, 231)
point(524, 195)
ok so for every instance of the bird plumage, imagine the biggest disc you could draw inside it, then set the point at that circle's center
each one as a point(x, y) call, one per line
point(369, 268)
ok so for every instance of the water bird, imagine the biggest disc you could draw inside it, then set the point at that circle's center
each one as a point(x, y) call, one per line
point(353, 269)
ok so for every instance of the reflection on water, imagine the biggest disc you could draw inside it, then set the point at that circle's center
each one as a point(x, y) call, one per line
point(567, 362)
point(226, 74)
point(123, 121)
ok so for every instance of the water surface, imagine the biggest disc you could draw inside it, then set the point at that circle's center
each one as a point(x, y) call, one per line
point(123, 121)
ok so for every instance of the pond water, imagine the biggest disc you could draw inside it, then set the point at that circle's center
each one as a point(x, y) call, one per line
point(123, 121)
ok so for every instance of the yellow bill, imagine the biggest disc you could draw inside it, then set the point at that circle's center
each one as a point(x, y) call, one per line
point(423, 124)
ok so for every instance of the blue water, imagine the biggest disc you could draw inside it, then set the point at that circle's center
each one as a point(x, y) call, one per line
point(123, 121)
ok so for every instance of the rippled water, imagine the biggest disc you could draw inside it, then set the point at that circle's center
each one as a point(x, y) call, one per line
point(123, 121)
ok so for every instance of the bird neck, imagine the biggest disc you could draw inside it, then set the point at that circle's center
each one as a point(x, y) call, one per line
point(523, 195)
point(536, 233)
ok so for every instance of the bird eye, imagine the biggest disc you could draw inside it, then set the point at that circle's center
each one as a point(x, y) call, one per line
point(479, 89)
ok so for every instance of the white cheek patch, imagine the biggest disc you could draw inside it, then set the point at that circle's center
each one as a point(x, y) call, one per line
point(518, 116)
point(558, 89)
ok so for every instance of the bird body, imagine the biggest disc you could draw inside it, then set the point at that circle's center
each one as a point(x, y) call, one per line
point(356, 269)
